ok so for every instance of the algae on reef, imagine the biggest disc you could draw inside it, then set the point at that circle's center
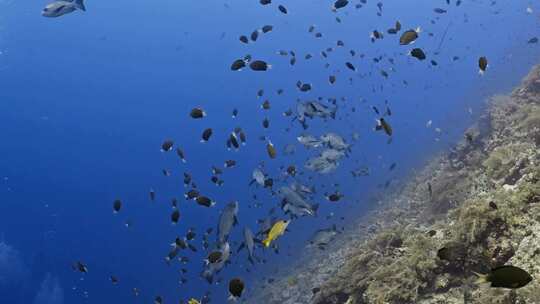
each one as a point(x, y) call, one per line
point(484, 213)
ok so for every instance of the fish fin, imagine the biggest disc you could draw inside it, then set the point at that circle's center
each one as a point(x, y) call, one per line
point(266, 243)
point(315, 208)
point(79, 4)
point(241, 247)
point(481, 278)
point(251, 182)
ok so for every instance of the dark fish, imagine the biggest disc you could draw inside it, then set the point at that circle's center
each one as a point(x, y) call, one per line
point(283, 9)
point(175, 216)
point(197, 113)
point(234, 140)
point(482, 65)
point(340, 4)
point(292, 61)
point(409, 37)
point(332, 79)
point(418, 54)
point(152, 195)
point(181, 154)
point(305, 87)
point(158, 300)
point(266, 123)
point(238, 65)
point(259, 65)
point(267, 28)
point(254, 35)
point(214, 257)
point(334, 197)
point(350, 66)
point(383, 125)
point(533, 40)
point(244, 39)
point(439, 10)
point(234, 113)
point(206, 135)
point(229, 163)
point(79, 266)
point(236, 287)
point(167, 145)
point(265, 2)
point(117, 205)
point(506, 277)
point(266, 105)
point(205, 201)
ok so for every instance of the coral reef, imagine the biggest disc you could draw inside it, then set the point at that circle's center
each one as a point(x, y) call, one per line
point(483, 212)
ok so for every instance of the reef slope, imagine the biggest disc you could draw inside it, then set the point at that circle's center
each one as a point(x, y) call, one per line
point(483, 209)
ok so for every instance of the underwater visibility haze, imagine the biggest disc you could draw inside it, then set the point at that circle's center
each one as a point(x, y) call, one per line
point(204, 151)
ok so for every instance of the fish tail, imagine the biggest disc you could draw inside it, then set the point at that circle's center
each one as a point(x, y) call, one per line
point(481, 278)
point(79, 4)
point(266, 242)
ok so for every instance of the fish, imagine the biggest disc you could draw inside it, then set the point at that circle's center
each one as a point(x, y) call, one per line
point(260, 66)
point(181, 154)
point(117, 205)
point(236, 287)
point(417, 53)
point(81, 267)
point(283, 9)
point(227, 220)
point(309, 141)
point(152, 195)
point(334, 141)
point(350, 66)
point(334, 197)
point(213, 268)
point(197, 113)
point(533, 40)
point(409, 36)
point(382, 124)
point(258, 177)
point(175, 216)
point(340, 4)
point(229, 163)
point(243, 39)
point(205, 201)
point(271, 150)
point(322, 237)
point(439, 10)
point(482, 65)
point(254, 35)
point(167, 145)
point(267, 28)
point(238, 65)
point(277, 230)
point(207, 133)
point(61, 7)
point(295, 204)
point(506, 276)
point(192, 300)
point(249, 244)
point(321, 165)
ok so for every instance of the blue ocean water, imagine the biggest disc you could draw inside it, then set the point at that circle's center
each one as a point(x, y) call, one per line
point(87, 99)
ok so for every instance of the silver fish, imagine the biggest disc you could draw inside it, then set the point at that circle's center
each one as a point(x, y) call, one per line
point(62, 7)
point(227, 220)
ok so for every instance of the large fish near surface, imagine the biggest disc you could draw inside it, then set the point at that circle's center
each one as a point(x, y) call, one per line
point(294, 204)
point(249, 244)
point(227, 220)
point(215, 267)
point(62, 7)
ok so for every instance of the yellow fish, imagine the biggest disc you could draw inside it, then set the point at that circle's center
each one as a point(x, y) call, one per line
point(193, 301)
point(276, 231)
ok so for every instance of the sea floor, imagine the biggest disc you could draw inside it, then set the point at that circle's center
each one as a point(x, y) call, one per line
point(480, 202)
